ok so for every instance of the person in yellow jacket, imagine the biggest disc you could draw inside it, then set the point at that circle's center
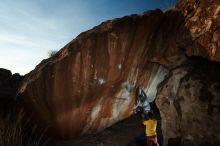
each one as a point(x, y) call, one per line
point(151, 124)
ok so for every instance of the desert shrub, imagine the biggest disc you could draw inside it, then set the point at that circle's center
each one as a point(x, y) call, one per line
point(52, 53)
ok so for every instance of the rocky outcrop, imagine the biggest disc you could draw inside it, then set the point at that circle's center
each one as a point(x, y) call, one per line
point(90, 83)
point(188, 99)
point(189, 104)
point(203, 21)
point(8, 88)
point(4, 75)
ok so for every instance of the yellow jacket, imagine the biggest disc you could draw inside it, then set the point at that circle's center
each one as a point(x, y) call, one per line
point(151, 125)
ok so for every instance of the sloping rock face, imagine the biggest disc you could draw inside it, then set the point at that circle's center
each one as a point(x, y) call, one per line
point(90, 83)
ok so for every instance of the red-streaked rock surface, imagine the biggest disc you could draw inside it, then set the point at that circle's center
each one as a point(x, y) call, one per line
point(90, 83)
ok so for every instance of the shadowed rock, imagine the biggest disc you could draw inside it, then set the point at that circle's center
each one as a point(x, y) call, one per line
point(8, 89)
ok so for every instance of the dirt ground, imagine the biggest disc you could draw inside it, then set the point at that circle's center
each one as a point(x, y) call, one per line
point(128, 132)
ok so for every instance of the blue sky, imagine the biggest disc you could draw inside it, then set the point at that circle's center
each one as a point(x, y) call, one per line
point(30, 28)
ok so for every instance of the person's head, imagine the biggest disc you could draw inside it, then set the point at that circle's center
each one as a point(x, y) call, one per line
point(150, 115)
point(145, 117)
point(142, 98)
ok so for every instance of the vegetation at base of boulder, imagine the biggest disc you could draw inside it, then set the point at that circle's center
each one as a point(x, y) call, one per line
point(52, 53)
point(19, 132)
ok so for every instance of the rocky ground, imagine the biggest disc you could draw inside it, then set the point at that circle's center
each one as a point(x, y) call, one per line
point(120, 134)
point(128, 132)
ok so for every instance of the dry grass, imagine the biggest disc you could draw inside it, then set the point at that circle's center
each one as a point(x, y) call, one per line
point(19, 132)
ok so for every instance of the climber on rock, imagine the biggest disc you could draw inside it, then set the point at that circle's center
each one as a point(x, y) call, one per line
point(142, 103)
point(150, 122)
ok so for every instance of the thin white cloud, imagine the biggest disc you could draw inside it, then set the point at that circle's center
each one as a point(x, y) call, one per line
point(30, 28)
point(12, 39)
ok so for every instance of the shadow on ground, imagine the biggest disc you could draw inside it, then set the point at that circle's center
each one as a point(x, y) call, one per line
point(128, 132)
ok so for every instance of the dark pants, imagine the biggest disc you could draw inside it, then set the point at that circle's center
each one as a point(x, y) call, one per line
point(152, 140)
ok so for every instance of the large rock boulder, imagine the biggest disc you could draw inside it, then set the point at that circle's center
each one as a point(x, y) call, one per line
point(188, 99)
point(90, 83)
point(189, 104)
